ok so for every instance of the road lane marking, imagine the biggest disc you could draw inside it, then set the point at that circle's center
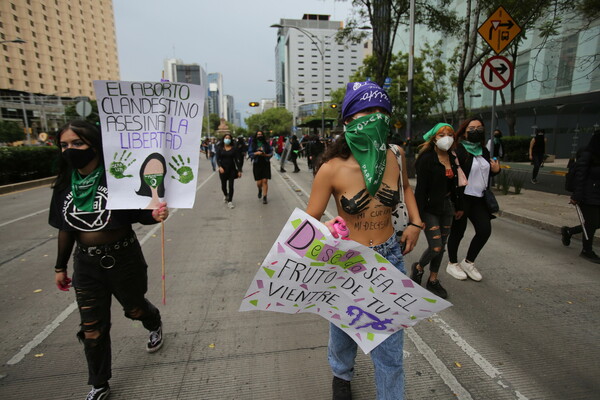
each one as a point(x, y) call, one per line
point(23, 217)
point(449, 379)
point(477, 358)
point(47, 331)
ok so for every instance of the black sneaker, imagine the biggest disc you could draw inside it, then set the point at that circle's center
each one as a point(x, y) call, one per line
point(259, 193)
point(341, 389)
point(566, 236)
point(265, 200)
point(155, 340)
point(99, 393)
point(282, 170)
point(590, 256)
point(416, 274)
point(436, 288)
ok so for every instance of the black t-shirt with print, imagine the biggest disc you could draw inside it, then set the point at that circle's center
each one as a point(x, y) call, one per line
point(66, 217)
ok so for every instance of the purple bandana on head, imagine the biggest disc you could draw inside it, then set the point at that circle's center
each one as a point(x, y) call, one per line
point(362, 95)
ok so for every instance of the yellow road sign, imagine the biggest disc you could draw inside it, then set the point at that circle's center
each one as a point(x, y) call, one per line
point(499, 30)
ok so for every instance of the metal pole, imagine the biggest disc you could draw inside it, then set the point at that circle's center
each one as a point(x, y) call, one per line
point(493, 123)
point(409, 86)
point(25, 119)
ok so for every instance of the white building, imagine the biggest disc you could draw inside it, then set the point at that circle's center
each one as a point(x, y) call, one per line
point(309, 62)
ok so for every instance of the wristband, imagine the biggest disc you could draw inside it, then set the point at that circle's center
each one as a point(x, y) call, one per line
point(418, 226)
point(60, 269)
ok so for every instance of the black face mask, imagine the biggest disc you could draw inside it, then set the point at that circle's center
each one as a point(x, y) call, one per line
point(475, 136)
point(78, 158)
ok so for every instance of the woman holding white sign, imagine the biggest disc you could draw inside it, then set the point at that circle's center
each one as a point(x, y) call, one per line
point(362, 175)
point(108, 259)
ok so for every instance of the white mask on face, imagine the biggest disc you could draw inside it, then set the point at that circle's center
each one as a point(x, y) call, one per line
point(445, 143)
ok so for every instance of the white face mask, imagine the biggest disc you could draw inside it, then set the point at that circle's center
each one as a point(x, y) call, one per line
point(445, 143)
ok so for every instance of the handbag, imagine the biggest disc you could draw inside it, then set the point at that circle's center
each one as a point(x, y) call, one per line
point(462, 179)
point(490, 201)
point(400, 213)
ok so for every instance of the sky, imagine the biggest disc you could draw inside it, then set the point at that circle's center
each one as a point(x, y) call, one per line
point(232, 37)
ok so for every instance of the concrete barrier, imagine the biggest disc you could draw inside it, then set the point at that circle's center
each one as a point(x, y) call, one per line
point(15, 187)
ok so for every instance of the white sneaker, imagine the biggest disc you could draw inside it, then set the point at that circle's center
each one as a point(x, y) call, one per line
point(230, 205)
point(470, 269)
point(225, 199)
point(454, 270)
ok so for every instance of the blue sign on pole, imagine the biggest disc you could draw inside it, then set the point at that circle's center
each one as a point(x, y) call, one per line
point(387, 83)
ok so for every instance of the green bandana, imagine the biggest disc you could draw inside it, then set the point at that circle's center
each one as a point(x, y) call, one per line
point(433, 131)
point(473, 148)
point(367, 137)
point(84, 188)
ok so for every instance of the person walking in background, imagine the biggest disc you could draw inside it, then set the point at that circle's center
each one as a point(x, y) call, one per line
point(284, 154)
point(475, 161)
point(437, 198)
point(212, 153)
point(260, 152)
point(314, 151)
point(108, 259)
point(586, 196)
point(242, 149)
point(497, 142)
point(537, 152)
point(227, 159)
point(363, 177)
point(294, 151)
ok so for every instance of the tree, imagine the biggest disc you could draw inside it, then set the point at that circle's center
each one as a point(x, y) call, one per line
point(275, 121)
point(10, 132)
point(385, 17)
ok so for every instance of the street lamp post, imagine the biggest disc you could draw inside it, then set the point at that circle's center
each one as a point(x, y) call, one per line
point(321, 49)
point(293, 92)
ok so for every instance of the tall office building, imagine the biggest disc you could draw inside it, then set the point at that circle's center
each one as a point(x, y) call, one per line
point(68, 44)
point(175, 70)
point(229, 108)
point(216, 102)
point(310, 63)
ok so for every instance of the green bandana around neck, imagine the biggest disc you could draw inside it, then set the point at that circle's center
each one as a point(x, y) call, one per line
point(84, 188)
point(367, 137)
point(473, 148)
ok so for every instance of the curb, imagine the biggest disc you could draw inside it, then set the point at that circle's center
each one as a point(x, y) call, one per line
point(533, 222)
point(15, 187)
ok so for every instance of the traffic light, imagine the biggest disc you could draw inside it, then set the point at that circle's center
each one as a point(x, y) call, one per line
point(334, 106)
point(253, 104)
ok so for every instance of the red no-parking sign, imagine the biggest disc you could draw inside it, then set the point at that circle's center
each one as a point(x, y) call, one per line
point(496, 72)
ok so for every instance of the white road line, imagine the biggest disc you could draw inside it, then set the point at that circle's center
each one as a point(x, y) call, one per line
point(477, 358)
point(437, 364)
point(47, 331)
point(23, 217)
point(449, 379)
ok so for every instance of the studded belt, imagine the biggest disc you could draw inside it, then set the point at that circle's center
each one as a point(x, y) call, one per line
point(103, 251)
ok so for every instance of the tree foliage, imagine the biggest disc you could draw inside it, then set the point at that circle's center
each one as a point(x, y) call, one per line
point(10, 131)
point(274, 121)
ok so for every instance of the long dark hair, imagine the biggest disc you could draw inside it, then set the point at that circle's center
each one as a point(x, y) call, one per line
point(86, 132)
point(144, 189)
point(339, 148)
point(461, 132)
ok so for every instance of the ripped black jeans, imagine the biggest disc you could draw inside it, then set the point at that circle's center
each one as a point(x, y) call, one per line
point(94, 287)
point(437, 230)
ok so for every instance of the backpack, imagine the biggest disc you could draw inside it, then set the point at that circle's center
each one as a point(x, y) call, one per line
point(570, 176)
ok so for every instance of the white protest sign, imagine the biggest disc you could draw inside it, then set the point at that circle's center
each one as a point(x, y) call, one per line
point(308, 270)
point(151, 139)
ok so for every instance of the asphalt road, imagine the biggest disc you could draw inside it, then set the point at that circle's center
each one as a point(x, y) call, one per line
point(529, 330)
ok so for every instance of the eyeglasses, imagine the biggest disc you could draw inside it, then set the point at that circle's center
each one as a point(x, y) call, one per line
point(480, 129)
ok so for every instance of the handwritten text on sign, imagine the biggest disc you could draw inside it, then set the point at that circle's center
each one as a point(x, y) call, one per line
point(307, 270)
point(151, 138)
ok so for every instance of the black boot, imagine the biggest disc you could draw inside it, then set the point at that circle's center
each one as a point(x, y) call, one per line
point(341, 389)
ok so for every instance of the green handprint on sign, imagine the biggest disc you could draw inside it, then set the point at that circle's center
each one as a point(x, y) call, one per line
point(118, 167)
point(186, 175)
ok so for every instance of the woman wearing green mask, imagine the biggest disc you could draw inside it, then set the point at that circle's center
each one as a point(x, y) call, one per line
point(362, 175)
point(108, 259)
point(475, 161)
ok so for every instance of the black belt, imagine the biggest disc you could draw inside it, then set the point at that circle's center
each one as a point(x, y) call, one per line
point(107, 261)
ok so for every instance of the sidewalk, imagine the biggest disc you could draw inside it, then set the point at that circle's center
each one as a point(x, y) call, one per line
point(539, 209)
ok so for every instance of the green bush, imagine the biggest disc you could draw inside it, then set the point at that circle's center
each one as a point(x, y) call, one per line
point(516, 148)
point(10, 132)
point(25, 163)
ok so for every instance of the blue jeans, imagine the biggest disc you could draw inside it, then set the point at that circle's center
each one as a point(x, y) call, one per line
point(387, 357)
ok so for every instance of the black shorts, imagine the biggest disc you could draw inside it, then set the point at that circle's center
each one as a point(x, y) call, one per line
point(261, 170)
